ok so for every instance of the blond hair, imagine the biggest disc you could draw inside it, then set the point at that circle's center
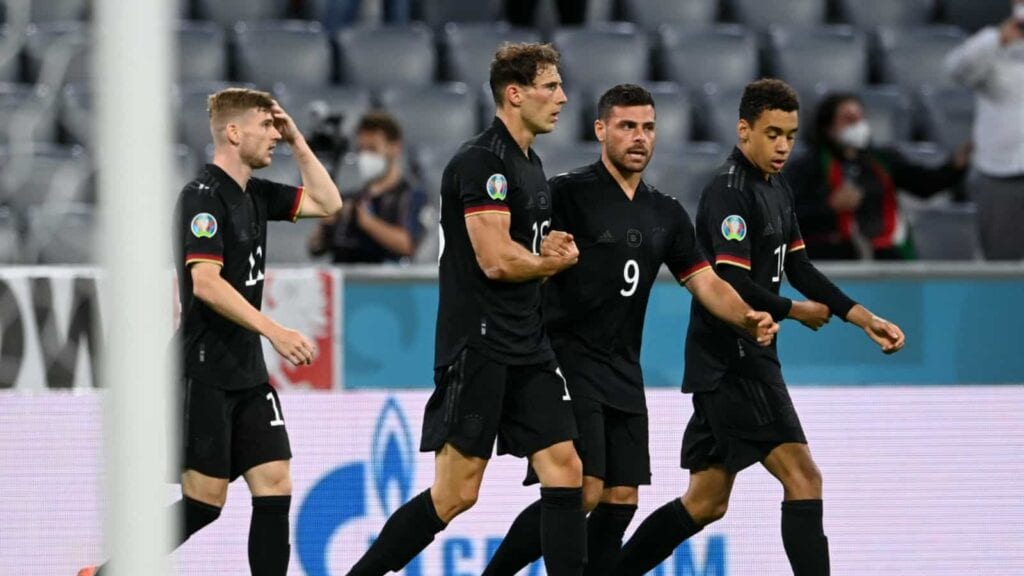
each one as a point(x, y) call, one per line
point(227, 104)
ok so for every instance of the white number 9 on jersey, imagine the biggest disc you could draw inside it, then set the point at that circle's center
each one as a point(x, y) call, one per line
point(631, 274)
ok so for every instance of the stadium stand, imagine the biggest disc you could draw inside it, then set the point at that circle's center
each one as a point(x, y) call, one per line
point(289, 51)
point(378, 57)
point(600, 56)
point(202, 52)
point(725, 55)
point(652, 15)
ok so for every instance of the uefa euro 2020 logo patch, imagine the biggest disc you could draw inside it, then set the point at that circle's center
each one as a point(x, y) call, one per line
point(734, 228)
point(204, 225)
point(497, 187)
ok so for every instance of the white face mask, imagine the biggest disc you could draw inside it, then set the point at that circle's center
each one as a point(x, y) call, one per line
point(371, 165)
point(855, 135)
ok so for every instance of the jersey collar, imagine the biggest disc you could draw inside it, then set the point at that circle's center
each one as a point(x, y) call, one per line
point(223, 178)
point(606, 176)
point(742, 160)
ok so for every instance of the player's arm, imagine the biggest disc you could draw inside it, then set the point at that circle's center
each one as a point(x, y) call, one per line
point(320, 196)
point(725, 303)
point(503, 259)
point(210, 287)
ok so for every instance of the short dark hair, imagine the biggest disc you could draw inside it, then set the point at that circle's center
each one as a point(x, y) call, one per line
point(380, 121)
point(825, 115)
point(767, 94)
point(518, 63)
point(623, 95)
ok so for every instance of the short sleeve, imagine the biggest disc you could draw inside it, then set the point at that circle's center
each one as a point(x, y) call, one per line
point(283, 200)
point(482, 183)
point(726, 215)
point(685, 258)
point(202, 214)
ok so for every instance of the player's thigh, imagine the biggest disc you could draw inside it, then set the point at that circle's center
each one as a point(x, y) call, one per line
point(793, 465)
point(537, 414)
point(589, 444)
point(206, 436)
point(466, 406)
point(457, 479)
point(260, 436)
point(626, 448)
point(707, 495)
point(206, 489)
point(270, 478)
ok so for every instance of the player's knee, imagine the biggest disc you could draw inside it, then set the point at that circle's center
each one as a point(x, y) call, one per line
point(621, 495)
point(591, 495)
point(207, 493)
point(805, 482)
point(705, 512)
point(465, 498)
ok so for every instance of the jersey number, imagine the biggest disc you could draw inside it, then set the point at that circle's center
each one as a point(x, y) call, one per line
point(540, 230)
point(255, 267)
point(565, 385)
point(631, 274)
point(780, 257)
point(277, 421)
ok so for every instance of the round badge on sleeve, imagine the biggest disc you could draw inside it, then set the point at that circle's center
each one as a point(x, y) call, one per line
point(734, 227)
point(497, 187)
point(204, 225)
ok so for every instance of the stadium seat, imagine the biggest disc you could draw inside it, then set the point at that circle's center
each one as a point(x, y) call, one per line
point(378, 57)
point(26, 114)
point(575, 122)
point(683, 172)
point(718, 113)
point(437, 13)
point(287, 241)
point(763, 13)
point(948, 115)
point(889, 113)
point(467, 49)
point(66, 46)
point(598, 57)
point(429, 163)
point(652, 15)
point(228, 13)
point(76, 113)
point(184, 167)
point(443, 115)
point(10, 66)
point(943, 231)
point(202, 52)
point(725, 55)
point(973, 15)
point(868, 14)
point(834, 56)
point(44, 174)
point(57, 10)
point(912, 57)
point(307, 104)
point(558, 159)
point(293, 51)
point(10, 238)
point(674, 113)
point(62, 234)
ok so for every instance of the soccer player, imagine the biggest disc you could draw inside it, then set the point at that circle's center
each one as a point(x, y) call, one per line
point(495, 372)
point(233, 424)
point(742, 411)
point(625, 230)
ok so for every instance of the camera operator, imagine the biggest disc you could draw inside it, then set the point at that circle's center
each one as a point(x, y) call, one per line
point(381, 222)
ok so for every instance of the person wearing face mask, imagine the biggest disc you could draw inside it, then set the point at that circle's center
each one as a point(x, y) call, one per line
point(382, 222)
point(991, 62)
point(845, 189)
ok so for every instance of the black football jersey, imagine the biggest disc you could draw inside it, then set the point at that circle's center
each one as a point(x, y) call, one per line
point(490, 173)
point(747, 221)
point(596, 309)
point(216, 221)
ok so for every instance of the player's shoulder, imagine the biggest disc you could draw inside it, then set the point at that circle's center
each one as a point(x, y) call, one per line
point(205, 186)
point(731, 175)
point(579, 178)
point(486, 147)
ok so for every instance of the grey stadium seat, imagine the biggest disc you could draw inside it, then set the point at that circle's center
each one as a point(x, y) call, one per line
point(202, 52)
point(975, 14)
point(601, 56)
point(652, 15)
point(944, 232)
point(77, 112)
point(948, 115)
point(684, 172)
point(889, 113)
point(55, 10)
point(558, 159)
point(872, 13)
point(66, 46)
point(26, 114)
point(725, 55)
point(912, 57)
point(575, 122)
point(228, 13)
point(719, 114)
point(467, 49)
point(290, 51)
point(378, 57)
point(306, 103)
point(438, 12)
point(10, 238)
point(44, 174)
point(763, 13)
point(441, 115)
point(62, 234)
point(674, 113)
point(835, 56)
point(10, 66)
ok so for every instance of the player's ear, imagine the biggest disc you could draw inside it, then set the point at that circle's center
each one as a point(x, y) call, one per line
point(232, 133)
point(599, 129)
point(514, 95)
point(743, 130)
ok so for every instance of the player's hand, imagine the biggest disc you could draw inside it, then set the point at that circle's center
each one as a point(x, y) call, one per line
point(293, 346)
point(284, 124)
point(886, 334)
point(812, 314)
point(557, 243)
point(761, 326)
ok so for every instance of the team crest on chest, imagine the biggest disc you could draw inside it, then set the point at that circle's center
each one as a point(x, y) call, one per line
point(734, 227)
point(497, 187)
point(204, 225)
point(634, 238)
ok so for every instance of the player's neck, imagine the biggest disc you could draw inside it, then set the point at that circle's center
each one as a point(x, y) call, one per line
point(746, 154)
point(239, 171)
point(520, 133)
point(627, 181)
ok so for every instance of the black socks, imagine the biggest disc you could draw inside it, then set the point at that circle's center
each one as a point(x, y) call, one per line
point(605, 527)
point(655, 539)
point(804, 538)
point(269, 550)
point(406, 533)
point(562, 531)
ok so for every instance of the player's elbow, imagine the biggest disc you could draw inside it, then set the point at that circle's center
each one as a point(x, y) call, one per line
point(493, 270)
